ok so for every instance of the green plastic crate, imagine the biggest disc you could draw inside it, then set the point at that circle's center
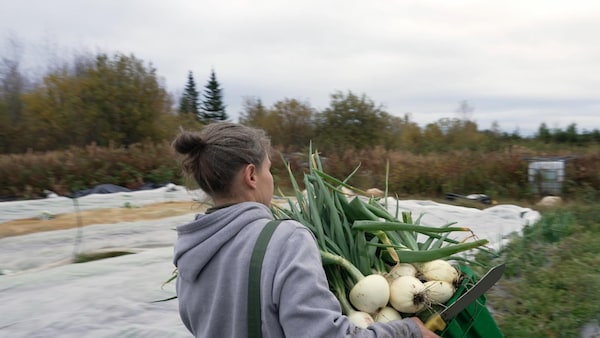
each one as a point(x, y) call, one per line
point(475, 321)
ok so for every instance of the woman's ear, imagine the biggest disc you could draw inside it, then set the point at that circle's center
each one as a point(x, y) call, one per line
point(249, 175)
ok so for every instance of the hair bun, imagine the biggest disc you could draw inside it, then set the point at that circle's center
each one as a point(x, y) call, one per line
point(189, 143)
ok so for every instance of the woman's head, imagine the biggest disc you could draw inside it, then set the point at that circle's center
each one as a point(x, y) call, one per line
point(221, 154)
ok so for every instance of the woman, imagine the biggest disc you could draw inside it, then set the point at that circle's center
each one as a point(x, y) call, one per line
point(230, 162)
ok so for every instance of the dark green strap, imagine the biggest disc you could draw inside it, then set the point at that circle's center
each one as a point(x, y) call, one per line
point(254, 320)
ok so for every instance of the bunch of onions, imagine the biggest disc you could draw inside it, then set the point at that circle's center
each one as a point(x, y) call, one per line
point(414, 287)
point(363, 238)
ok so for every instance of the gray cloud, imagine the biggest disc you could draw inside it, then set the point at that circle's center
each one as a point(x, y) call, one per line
point(519, 63)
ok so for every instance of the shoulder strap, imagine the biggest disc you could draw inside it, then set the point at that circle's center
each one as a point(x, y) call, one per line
point(254, 320)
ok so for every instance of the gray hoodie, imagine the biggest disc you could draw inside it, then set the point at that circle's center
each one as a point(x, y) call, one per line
point(212, 255)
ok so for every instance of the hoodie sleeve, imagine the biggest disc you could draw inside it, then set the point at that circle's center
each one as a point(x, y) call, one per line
point(303, 302)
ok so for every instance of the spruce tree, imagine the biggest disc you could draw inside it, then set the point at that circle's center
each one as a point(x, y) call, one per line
point(189, 103)
point(212, 106)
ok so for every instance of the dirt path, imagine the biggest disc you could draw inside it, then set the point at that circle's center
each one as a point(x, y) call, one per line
point(99, 216)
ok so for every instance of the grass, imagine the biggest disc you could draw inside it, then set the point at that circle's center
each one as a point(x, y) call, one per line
point(551, 286)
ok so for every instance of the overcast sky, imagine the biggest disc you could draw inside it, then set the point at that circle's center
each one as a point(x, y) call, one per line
point(516, 62)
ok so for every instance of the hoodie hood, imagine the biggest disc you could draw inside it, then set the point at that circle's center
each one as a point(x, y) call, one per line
point(198, 241)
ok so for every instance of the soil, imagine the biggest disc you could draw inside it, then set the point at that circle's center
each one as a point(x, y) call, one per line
point(99, 216)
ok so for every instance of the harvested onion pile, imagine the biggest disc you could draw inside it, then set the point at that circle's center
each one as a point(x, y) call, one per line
point(380, 266)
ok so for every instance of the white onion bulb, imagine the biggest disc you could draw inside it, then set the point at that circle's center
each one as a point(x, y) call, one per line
point(387, 314)
point(402, 269)
point(407, 294)
point(439, 270)
point(438, 292)
point(361, 319)
point(370, 293)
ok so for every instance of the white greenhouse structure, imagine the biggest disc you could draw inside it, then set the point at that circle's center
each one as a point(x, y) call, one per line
point(546, 174)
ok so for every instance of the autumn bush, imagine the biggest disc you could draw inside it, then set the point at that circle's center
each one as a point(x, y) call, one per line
point(583, 178)
point(501, 174)
point(433, 174)
point(66, 172)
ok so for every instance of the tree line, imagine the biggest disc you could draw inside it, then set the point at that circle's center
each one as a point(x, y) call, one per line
point(118, 100)
point(355, 122)
point(107, 100)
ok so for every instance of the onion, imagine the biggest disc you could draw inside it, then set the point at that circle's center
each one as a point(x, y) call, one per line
point(387, 314)
point(361, 319)
point(407, 294)
point(438, 292)
point(370, 293)
point(438, 270)
point(401, 269)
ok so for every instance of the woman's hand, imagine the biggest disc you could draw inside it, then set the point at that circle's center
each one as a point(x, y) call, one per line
point(424, 331)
